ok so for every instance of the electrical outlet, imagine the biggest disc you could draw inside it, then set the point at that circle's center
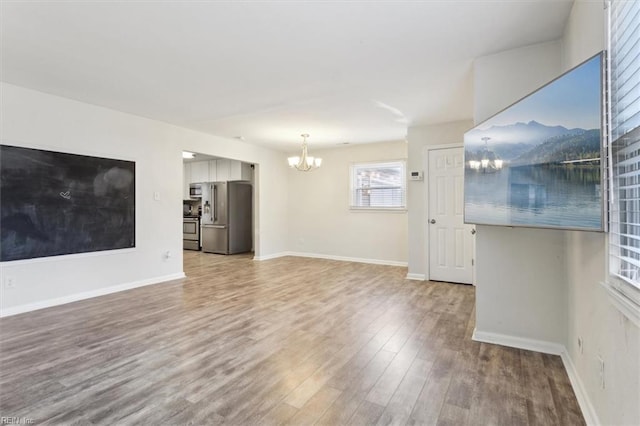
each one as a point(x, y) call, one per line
point(10, 282)
point(580, 345)
point(601, 371)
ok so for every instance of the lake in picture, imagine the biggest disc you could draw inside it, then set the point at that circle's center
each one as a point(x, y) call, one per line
point(537, 163)
point(545, 196)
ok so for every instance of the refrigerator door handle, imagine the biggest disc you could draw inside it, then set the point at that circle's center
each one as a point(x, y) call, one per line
point(215, 226)
point(215, 202)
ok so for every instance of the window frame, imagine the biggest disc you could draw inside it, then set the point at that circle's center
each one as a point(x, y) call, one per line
point(352, 190)
point(623, 293)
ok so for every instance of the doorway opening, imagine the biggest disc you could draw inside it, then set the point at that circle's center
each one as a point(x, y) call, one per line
point(219, 199)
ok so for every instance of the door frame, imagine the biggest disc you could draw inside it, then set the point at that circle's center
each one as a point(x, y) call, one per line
point(425, 219)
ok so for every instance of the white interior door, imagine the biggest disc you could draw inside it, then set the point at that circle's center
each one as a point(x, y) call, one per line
point(450, 240)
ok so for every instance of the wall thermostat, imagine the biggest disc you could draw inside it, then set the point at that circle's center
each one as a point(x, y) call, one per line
point(415, 175)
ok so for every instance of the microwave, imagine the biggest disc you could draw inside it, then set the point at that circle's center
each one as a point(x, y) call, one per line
point(195, 190)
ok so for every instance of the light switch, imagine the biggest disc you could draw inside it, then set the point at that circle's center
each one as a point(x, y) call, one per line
point(156, 195)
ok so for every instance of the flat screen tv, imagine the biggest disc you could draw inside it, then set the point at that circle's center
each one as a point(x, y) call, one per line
point(56, 203)
point(538, 162)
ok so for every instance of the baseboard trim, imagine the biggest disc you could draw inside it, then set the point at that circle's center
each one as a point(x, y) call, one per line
point(21, 309)
point(347, 259)
point(332, 257)
point(588, 411)
point(518, 342)
point(416, 277)
point(270, 256)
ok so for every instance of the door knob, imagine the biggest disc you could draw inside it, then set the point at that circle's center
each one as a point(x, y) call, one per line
point(473, 232)
point(432, 221)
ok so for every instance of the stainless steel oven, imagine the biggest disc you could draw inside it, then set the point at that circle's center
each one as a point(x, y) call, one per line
point(191, 233)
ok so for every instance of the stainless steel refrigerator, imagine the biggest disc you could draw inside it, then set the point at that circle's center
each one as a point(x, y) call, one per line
point(226, 217)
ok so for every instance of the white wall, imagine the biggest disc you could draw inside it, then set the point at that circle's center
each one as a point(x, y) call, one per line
point(34, 119)
point(519, 272)
point(418, 138)
point(503, 78)
point(584, 33)
point(520, 285)
point(542, 284)
point(605, 332)
point(320, 221)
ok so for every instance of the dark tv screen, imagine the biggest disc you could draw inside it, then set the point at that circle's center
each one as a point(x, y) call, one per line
point(538, 162)
point(54, 203)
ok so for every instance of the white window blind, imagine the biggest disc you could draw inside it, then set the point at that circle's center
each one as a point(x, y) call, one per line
point(378, 185)
point(624, 104)
point(624, 67)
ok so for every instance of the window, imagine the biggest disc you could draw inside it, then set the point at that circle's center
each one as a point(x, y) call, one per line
point(378, 185)
point(624, 147)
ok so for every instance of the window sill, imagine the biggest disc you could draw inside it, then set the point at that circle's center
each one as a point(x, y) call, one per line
point(622, 302)
point(376, 210)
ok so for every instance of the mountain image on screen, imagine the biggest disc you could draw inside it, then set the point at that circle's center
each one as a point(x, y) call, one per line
point(535, 143)
point(537, 163)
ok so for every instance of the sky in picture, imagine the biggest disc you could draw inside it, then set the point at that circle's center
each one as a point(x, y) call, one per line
point(572, 101)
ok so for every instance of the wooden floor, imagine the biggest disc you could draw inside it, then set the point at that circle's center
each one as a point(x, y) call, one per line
point(285, 341)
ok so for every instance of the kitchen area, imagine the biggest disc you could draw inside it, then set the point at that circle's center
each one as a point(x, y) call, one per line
point(217, 204)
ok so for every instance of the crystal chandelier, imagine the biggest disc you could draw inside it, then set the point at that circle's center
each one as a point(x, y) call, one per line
point(488, 161)
point(305, 162)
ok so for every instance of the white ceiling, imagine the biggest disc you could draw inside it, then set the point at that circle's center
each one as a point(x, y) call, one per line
point(342, 71)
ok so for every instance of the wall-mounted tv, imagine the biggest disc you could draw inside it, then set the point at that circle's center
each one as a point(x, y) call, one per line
point(55, 203)
point(538, 162)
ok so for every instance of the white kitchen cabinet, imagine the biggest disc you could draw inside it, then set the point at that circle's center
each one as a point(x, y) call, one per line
point(223, 170)
point(200, 172)
point(240, 171)
point(235, 170)
point(186, 180)
point(220, 170)
point(246, 172)
point(213, 171)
